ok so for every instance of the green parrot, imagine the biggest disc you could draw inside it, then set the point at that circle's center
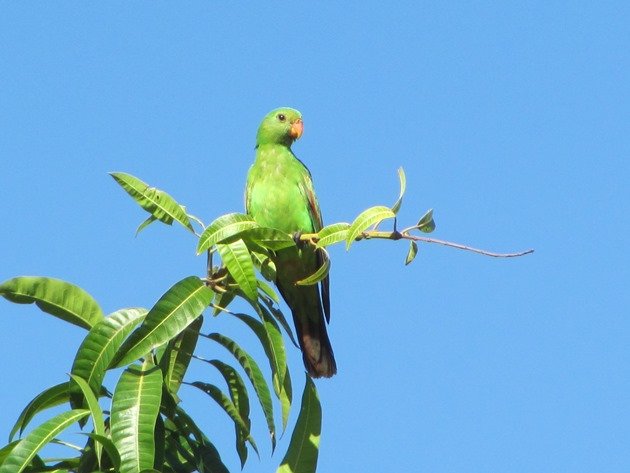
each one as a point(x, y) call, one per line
point(280, 194)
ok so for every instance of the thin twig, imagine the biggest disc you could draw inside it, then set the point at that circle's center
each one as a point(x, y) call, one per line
point(468, 248)
point(395, 235)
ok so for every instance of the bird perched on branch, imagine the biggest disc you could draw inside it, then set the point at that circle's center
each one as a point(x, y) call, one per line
point(280, 194)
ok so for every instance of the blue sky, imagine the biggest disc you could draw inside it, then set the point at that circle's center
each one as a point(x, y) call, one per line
point(511, 121)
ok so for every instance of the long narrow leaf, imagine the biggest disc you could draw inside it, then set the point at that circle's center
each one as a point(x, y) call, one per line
point(109, 447)
point(332, 234)
point(272, 351)
point(4, 451)
point(238, 394)
point(100, 346)
point(286, 398)
point(270, 338)
point(367, 218)
point(26, 449)
point(301, 457)
point(135, 407)
point(210, 459)
point(173, 456)
point(318, 275)
point(222, 228)
point(205, 453)
point(252, 370)
point(155, 201)
point(179, 454)
point(95, 411)
point(282, 320)
point(150, 219)
point(268, 291)
point(238, 261)
point(56, 297)
point(228, 406)
point(269, 238)
point(50, 397)
point(221, 301)
point(276, 351)
point(263, 263)
point(175, 310)
point(181, 350)
point(403, 186)
point(159, 435)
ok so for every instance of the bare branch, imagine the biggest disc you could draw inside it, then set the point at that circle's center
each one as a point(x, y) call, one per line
point(468, 248)
point(405, 235)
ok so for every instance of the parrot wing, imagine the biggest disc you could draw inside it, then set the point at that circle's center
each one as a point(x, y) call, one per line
point(316, 219)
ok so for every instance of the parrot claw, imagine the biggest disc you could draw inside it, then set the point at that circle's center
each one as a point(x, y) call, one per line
point(297, 238)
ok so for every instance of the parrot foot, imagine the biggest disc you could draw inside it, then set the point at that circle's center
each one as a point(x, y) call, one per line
point(297, 238)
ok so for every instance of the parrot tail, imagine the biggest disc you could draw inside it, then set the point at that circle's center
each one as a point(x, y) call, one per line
point(310, 324)
point(317, 351)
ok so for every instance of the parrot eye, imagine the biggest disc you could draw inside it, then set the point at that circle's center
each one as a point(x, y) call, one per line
point(281, 117)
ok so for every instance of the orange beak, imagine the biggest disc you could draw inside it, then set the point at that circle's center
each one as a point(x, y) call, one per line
point(297, 128)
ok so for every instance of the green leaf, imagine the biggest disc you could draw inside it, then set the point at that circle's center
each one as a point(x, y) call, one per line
point(403, 186)
point(173, 457)
point(264, 264)
point(206, 457)
point(270, 338)
point(99, 348)
point(301, 457)
point(259, 330)
point(155, 201)
point(160, 443)
point(145, 224)
point(4, 451)
point(223, 228)
point(252, 370)
point(109, 447)
point(366, 219)
point(180, 448)
point(413, 251)
point(26, 449)
point(426, 223)
point(95, 411)
point(222, 301)
point(210, 458)
point(135, 407)
point(228, 406)
point(269, 238)
point(179, 455)
point(50, 397)
point(275, 352)
point(238, 262)
point(268, 290)
point(175, 310)
point(238, 394)
point(56, 297)
point(286, 398)
point(331, 234)
point(318, 275)
point(180, 352)
point(281, 319)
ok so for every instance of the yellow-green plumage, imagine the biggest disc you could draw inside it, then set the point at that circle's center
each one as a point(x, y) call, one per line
point(280, 194)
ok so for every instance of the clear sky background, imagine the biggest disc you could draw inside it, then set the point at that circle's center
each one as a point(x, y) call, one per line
point(512, 122)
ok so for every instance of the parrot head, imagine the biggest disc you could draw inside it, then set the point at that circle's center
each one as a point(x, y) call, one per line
point(280, 126)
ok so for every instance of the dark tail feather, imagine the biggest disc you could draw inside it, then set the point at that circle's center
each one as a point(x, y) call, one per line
point(317, 352)
point(310, 325)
